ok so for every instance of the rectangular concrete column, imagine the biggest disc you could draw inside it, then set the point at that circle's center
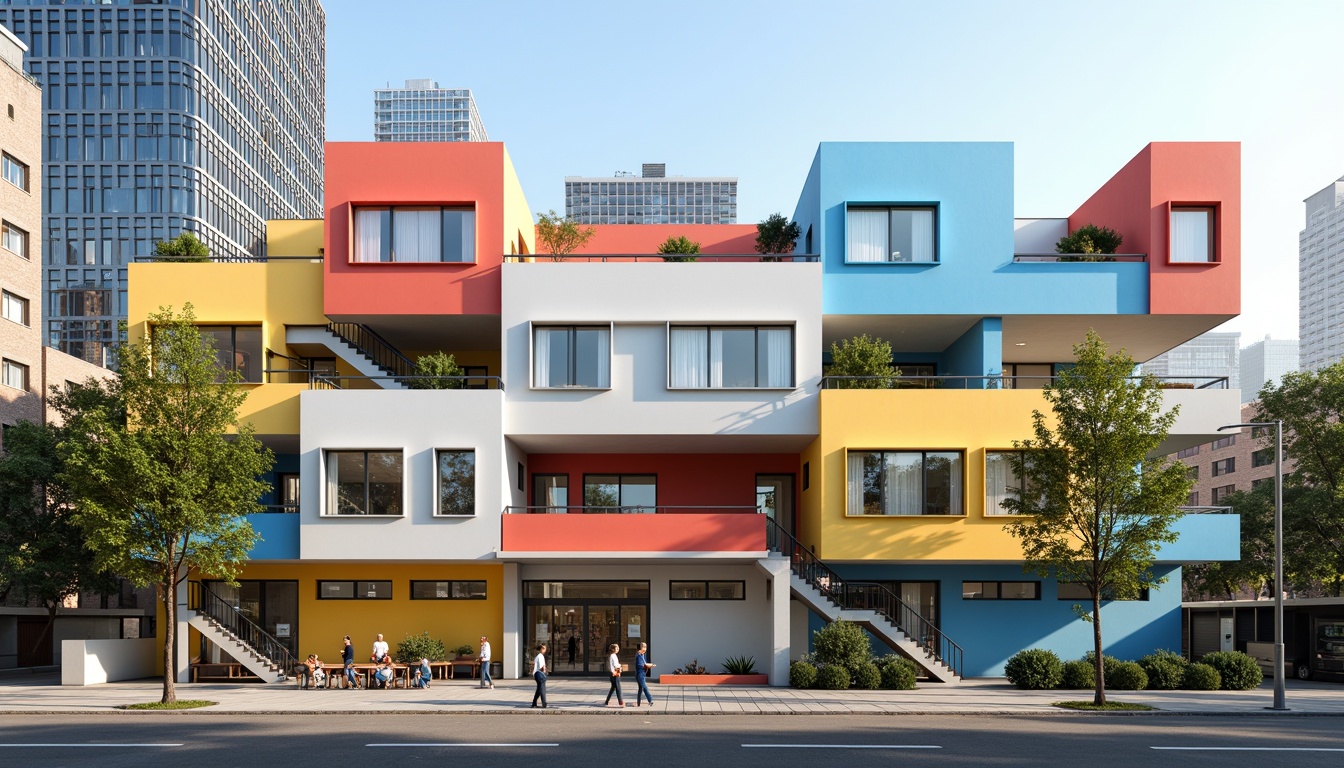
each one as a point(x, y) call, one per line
point(778, 569)
point(182, 642)
point(512, 644)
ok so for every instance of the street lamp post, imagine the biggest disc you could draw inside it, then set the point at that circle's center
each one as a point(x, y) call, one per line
point(1279, 695)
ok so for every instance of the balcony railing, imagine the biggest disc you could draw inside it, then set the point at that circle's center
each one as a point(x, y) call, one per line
point(227, 259)
point(323, 381)
point(1079, 258)
point(635, 509)
point(999, 382)
point(280, 509)
point(655, 257)
point(1206, 510)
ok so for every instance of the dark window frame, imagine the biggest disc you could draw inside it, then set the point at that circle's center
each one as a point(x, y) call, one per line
point(331, 501)
point(704, 583)
point(923, 481)
point(1262, 458)
point(23, 368)
point(620, 477)
point(572, 362)
point(1022, 481)
point(438, 482)
point(25, 234)
point(1221, 492)
point(998, 590)
point(1186, 453)
point(233, 351)
point(1224, 442)
point(357, 593)
point(756, 352)
point(390, 239)
point(25, 172)
point(1105, 598)
point(1222, 467)
point(888, 208)
point(452, 588)
point(535, 502)
point(25, 306)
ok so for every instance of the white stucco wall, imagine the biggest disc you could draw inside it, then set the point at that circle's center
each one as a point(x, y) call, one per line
point(417, 422)
point(1038, 235)
point(1202, 412)
point(91, 662)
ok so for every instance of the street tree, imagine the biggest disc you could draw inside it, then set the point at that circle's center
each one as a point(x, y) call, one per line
point(1255, 570)
point(561, 235)
point(775, 235)
point(160, 472)
point(184, 247)
point(1100, 501)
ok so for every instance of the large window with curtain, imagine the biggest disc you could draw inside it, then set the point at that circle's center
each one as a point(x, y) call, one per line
point(411, 234)
point(1192, 235)
point(364, 483)
point(905, 483)
point(892, 235)
point(571, 357)
point(1002, 481)
point(729, 357)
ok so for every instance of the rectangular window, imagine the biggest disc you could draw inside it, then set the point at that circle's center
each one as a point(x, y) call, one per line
point(1193, 499)
point(1224, 467)
point(13, 239)
point(15, 173)
point(897, 234)
point(237, 348)
point(364, 483)
point(354, 590)
point(1000, 590)
point(15, 374)
point(620, 494)
point(905, 483)
point(447, 590)
point(457, 482)
point(708, 590)
point(1224, 442)
point(571, 358)
point(1192, 473)
point(415, 234)
point(15, 308)
point(1071, 591)
point(551, 493)
point(1222, 492)
point(1192, 239)
point(1261, 458)
point(724, 357)
point(1188, 452)
point(1001, 481)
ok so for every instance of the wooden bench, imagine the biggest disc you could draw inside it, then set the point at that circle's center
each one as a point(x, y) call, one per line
point(220, 672)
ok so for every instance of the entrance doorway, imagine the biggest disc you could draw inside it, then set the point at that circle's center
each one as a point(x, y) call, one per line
point(774, 498)
point(579, 619)
point(271, 605)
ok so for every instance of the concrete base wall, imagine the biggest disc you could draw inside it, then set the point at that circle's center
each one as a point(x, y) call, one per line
point(90, 662)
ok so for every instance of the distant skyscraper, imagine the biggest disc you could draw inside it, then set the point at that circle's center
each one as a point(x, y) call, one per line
point(422, 111)
point(651, 198)
point(1320, 279)
point(164, 117)
point(1213, 354)
point(1266, 361)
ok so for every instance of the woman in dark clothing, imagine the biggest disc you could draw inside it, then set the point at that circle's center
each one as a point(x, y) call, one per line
point(614, 669)
point(642, 669)
point(573, 647)
point(539, 674)
point(348, 658)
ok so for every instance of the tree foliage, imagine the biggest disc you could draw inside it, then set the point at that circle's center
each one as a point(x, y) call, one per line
point(679, 248)
point(440, 365)
point(1102, 503)
point(159, 484)
point(1255, 569)
point(865, 357)
point(776, 234)
point(1090, 240)
point(184, 247)
point(561, 235)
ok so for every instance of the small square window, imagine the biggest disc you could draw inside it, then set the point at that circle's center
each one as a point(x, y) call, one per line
point(15, 308)
point(1192, 235)
point(15, 375)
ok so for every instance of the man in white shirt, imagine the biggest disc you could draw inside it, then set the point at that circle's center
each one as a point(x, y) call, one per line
point(484, 658)
point(379, 649)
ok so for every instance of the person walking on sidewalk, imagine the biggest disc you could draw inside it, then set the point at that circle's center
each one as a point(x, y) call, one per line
point(539, 674)
point(614, 669)
point(642, 669)
point(484, 659)
point(348, 660)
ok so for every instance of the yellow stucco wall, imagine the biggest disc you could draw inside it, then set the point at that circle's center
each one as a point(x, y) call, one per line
point(519, 228)
point(974, 421)
point(296, 237)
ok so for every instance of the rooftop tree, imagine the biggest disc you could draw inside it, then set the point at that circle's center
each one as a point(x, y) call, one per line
point(184, 247)
point(561, 235)
point(775, 235)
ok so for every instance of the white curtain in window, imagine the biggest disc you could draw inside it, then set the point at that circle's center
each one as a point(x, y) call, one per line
point(855, 481)
point(778, 344)
point(416, 234)
point(715, 357)
point(998, 480)
point(902, 481)
point(368, 234)
point(541, 357)
point(921, 235)
point(867, 235)
point(1190, 236)
point(690, 357)
point(955, 495)
point(604, 358)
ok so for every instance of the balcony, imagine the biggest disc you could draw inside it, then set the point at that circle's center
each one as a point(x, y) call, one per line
point(1077, 258)
point(784, 258)
point(1206, 534)
point(722, 533)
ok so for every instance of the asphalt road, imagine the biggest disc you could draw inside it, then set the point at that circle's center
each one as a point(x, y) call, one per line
point(638, 739)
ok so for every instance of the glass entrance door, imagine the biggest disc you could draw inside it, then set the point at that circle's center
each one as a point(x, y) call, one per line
point(579, 620)
point(774, 498)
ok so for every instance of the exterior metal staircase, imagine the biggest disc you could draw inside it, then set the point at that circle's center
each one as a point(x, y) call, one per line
point(870, 605)
point(364, 350)
point(238, 636)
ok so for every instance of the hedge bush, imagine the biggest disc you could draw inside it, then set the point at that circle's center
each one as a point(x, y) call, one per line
point(833, 677)
point(1078, 675)
point(1034, 669)
point(842, 643)
point(1128, 676)
point(417, 647)
point(868, 677)
point(1165, 670)
point(802, 674)
point(1201, 677)
point(898, 676)
point(1237, 671)
point(1108, 664)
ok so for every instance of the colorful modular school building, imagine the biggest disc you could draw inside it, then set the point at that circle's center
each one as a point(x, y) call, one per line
point(649, 451)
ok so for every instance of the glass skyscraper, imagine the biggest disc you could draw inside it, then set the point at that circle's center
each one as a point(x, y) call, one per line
point(163, 116)
point(422, 111)
point(651, 198)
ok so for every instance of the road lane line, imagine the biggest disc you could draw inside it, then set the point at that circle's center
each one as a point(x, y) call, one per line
point(1251, 749)
point(87, 745)
point(462, 744)
point(841, 746)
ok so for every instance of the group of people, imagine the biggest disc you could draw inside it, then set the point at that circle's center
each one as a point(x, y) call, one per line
point(643, 667)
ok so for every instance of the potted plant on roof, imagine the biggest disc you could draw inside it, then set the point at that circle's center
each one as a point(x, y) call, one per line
point(776, 235)
point(1089, 243)
point(680, 248)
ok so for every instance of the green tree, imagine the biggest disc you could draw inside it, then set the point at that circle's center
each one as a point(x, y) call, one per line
point(440, 365)
point(1091, 241)
point(679, 248)
point(865, 357)
point(184, 247)
point(43, 554)
point(159, 484)
point(1255, 569)
point(1102, 501)
point(561, 235)
point(776, 235)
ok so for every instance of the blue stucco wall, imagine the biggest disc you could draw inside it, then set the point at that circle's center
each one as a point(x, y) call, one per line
point(1204, 538)
point(979, 352)
point(279, 537)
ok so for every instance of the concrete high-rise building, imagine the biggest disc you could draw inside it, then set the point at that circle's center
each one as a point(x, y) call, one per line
point(204, 116)
point(651, 198)
point(1320, 279)
point(1264, 362)
point(422, 111)
point(1205, 356)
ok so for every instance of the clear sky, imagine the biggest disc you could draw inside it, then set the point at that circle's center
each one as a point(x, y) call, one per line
point(748, 89)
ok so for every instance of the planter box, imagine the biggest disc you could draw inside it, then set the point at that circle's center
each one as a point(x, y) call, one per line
point(670, 679)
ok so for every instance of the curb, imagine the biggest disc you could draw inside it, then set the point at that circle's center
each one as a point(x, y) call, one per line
point(556, 711)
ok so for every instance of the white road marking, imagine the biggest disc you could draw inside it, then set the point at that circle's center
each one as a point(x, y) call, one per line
point(841, 746)
point(88, 745)
point(1251, 749)
point(462, 744)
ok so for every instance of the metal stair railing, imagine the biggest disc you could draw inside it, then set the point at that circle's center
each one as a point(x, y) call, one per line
point(374, 347)
point(202, 599)
point(864, 596)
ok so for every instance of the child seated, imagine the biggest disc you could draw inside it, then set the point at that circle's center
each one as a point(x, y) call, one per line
point(422, 674)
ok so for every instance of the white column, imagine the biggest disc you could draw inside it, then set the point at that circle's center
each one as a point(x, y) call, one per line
point(182, 637)
point(778, 569)
point(513, 620)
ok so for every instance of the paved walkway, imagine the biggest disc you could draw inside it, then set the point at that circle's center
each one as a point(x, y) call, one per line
point(584, 696)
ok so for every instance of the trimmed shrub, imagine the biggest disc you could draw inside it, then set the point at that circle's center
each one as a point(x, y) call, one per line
point(417, 647)
point(1165, 670)
point(1201, 677)
point(1108, 664)
point(868, 677)
point(842, 643)
point(892, 658)
point(1034, 669)
point(899, 677)
point(833, 677)
point(1078, 675)
point(802, 674)
point(1129, 676)
point(1237, 671)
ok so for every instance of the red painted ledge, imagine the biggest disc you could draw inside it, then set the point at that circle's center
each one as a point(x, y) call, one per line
point(669, 679)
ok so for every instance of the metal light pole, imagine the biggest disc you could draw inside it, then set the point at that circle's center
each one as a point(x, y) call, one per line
point(1279, 695)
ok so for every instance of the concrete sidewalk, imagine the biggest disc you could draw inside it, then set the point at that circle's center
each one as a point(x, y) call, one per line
point(585, 696)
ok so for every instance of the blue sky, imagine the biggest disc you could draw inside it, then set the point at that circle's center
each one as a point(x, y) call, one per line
point(748, 89)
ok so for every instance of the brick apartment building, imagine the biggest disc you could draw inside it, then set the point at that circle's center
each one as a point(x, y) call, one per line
point(1238, 462)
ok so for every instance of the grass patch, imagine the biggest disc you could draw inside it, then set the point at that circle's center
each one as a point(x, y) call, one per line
point(1110, 706)
point(179, 704)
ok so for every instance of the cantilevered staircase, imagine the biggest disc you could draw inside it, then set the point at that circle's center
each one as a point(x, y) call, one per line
point(870, 605)
point(361, 347)
point(236, 635)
